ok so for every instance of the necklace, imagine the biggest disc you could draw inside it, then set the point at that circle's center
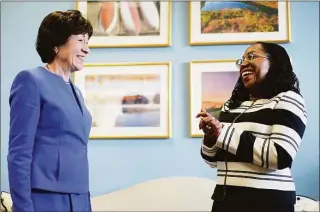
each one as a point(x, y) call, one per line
point(226, 156)
point(68, 83)
point(250, 106)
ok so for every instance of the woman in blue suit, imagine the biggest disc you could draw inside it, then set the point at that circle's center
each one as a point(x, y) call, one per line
point(49, 123)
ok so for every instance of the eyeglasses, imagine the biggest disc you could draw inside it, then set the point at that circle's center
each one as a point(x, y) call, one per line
point(250, 56)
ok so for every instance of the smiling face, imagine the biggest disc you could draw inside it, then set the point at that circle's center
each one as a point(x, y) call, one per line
point(254, 67)
point(73, 52)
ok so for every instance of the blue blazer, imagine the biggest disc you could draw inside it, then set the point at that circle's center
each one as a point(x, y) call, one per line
point(49, 130)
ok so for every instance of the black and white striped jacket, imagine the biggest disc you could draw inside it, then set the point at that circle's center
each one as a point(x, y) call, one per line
point(260, 145)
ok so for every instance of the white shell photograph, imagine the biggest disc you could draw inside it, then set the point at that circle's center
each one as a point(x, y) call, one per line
point(128, 23)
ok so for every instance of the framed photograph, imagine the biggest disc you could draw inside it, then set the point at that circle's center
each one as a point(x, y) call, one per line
point(127, 100)
point(211, 85)
point(239, 22)
point(128, 23)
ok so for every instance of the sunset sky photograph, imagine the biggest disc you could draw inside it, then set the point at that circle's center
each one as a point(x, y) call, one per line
point(217, 86)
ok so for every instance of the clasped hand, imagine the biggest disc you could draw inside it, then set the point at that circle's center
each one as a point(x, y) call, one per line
point(208, 124)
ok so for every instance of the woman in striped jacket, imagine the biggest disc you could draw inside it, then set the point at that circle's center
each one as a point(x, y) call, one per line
point(257, 136)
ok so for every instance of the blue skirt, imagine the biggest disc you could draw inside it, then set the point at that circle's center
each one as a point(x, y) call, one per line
point(52, 201)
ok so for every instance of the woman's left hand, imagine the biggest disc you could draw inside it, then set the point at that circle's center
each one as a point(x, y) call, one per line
point(209, 124)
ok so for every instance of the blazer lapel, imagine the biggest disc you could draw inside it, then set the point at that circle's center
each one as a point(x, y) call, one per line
point(76, 94)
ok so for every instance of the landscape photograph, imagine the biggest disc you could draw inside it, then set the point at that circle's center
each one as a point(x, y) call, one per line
point(126, 100)
point(239, 16)
point(216, 90)
point(123, 100)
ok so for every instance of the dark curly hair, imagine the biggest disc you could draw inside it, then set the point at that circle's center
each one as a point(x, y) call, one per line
point(55, 30)
point(280, 77)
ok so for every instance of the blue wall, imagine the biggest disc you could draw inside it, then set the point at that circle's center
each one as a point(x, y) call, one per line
point(120, 163)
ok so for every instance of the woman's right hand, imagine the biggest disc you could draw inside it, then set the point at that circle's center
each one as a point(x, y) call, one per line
point(208, 124)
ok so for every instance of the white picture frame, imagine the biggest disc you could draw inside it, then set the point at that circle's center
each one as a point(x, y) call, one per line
point(211, 85)
point(127, 100)
point(209, 25)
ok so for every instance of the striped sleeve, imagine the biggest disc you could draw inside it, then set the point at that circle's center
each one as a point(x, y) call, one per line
point(209, 150)
point(278, 150)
